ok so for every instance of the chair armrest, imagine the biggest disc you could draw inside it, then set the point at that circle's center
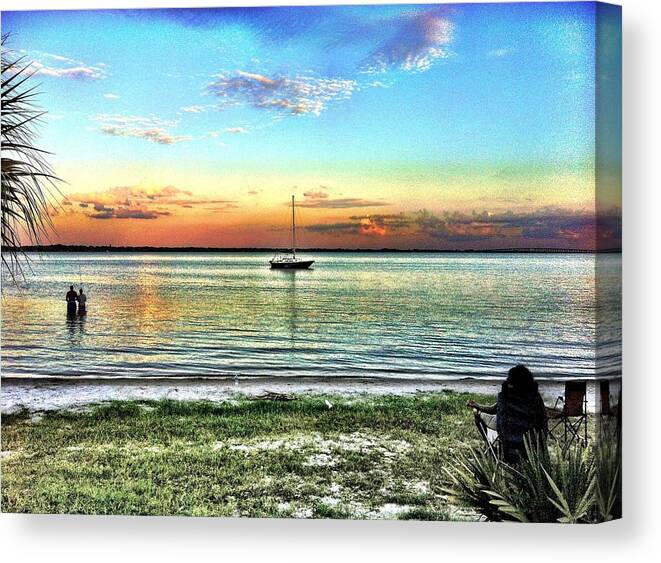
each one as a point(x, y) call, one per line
point(554, 413)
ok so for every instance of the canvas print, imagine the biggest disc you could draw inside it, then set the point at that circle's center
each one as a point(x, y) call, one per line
point(351, 262)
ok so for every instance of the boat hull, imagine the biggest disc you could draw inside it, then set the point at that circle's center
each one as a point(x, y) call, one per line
point(299, 265)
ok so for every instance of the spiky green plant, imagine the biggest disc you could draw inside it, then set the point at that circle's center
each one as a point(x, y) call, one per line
point(572, 479)
point(475, 479)
point(28, 182)
point(608, 473)
point(546, 486)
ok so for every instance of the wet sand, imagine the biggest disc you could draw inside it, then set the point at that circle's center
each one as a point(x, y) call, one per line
point(71, 393)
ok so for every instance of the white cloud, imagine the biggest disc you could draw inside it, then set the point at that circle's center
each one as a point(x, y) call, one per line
point(236, 130)
point(120, 119)
point(111, 96)
point(72, 73)
point(154, 135)
point(417, 42)
point(193, 109)
point(297, 96)
point(380, 84)
point(499, 53)
point(151, 128)
point(58, 66)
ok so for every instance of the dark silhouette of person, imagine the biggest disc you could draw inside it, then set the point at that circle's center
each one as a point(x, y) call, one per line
point(82, 302)
point(518, 410)
point(71, 298)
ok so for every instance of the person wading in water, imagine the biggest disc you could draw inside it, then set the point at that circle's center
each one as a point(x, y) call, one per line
point(82, 302)
point(72, 297)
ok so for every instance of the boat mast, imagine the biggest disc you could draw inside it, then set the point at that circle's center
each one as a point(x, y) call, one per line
point(293, 228)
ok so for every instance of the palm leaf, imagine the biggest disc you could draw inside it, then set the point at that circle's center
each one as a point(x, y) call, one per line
point(29, 185)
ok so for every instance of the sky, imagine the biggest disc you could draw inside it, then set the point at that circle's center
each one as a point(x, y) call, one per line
point(395, 126)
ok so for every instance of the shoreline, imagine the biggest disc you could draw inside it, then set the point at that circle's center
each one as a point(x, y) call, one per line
point(50, 394)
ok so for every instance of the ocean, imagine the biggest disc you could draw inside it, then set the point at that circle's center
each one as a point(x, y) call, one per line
point(375, 315)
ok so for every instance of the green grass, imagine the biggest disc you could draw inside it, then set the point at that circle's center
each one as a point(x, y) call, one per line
point(366, 457)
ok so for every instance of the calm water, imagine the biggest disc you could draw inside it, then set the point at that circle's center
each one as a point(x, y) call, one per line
point(380, 315)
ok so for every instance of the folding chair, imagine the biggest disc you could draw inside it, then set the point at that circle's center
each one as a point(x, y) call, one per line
point(570, 422)
point(489, 435)
point(605, 396)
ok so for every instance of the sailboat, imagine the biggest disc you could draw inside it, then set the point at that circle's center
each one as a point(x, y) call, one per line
point(289, 261)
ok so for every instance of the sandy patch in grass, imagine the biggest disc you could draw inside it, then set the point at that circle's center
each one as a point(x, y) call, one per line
point(325, 452)
point(353, 442)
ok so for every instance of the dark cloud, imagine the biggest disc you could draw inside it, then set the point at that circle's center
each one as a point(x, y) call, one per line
point(341, 203)
point(316, 194)
point(609, 228)
point(124, 213)
point(541, 224)
point(133, 202)
point(555, 226)
point(365, 225)
point(139, 214)
point(394, 221)
point(335, 228)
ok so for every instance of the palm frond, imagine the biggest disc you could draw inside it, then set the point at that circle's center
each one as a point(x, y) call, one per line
point(29, 185)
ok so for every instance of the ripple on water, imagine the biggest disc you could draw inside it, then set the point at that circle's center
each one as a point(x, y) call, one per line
point(376, 314)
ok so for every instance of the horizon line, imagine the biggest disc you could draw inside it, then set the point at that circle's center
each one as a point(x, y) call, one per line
point(98, 248)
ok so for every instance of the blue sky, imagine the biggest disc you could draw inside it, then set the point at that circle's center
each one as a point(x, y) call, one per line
point(457, 108)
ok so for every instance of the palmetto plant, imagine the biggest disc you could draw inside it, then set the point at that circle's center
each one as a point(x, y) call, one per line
point(608, 473)
point(548, 486)
point(28, 182)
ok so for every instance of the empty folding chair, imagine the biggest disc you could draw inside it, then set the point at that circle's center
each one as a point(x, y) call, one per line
point(568, 420)
point(605, 398)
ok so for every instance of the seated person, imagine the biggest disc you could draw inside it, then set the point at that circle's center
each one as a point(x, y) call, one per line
point(518, 410)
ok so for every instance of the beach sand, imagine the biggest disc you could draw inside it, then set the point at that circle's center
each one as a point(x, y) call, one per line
point(71, 393)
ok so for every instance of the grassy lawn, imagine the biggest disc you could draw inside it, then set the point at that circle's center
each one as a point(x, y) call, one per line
point(366, 457)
